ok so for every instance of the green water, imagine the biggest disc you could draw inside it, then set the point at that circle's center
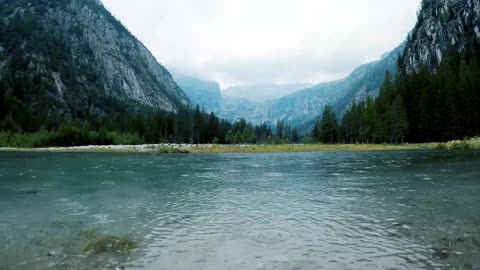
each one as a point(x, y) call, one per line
point(362, 210)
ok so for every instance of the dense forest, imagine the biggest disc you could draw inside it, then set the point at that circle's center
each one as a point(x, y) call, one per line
point(426, 106)
point(20, 126)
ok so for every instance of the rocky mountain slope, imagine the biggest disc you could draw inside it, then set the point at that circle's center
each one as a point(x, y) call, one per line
point(259, 93)
point(442, 25)
point(80, 59)
point(205, 93)
point(250, 102)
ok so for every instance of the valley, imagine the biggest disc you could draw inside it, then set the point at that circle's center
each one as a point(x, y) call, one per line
point(242, 135)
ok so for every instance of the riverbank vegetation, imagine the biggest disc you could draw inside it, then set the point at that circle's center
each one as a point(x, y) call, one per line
point(467, 144)
point(463, 145)
point(289, 148)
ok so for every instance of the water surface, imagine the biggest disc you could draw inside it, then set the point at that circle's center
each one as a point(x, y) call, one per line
point(345, 210)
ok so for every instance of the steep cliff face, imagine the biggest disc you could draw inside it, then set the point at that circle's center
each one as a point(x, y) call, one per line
point(205, 93)
point(82, 56)
point(442, 25)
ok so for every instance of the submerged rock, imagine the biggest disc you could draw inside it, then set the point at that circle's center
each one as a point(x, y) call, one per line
point(441, 254)
point(27, 192)
point(110, 244)
point(52, 254)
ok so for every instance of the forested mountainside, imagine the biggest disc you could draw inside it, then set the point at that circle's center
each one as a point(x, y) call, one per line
point(302, 108)
point(435, 96)
point(71, 59)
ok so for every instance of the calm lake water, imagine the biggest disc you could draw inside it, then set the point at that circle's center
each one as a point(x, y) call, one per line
point(362, 210)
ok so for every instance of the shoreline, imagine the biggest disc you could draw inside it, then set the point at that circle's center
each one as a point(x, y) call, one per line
point(168, 148)
point(211, 148)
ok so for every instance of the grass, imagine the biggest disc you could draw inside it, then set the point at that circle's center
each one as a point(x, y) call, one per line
point(467, 144)
point(299, 148)
point(171, 150)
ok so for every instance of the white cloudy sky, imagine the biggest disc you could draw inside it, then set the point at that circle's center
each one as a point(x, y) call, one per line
point(257, 41)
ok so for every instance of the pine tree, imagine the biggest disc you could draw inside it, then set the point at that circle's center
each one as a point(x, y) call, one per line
point(280, 129)
point(369, 117)
point(329, 127)
point(3, 101)
point(197, 125)
point(397, 121)
point(295, 136)
point(230, 137)
point(213, 127)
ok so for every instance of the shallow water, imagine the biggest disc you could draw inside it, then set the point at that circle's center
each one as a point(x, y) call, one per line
point(345, 210)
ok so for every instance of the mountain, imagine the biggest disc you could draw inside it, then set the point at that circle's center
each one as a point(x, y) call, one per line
point(234, 108)
point(205, 93)
point(72, 58)
point(302, 108)
point(209, 96)
point(442, 25)
point(259, 93)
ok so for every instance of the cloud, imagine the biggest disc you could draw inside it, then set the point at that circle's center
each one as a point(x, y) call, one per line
point(252, 41)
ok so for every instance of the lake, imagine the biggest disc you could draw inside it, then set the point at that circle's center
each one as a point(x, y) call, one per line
point(330, 210)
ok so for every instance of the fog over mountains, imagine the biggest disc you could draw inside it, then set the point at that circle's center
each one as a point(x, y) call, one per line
point(297, 104)
point(260, 93)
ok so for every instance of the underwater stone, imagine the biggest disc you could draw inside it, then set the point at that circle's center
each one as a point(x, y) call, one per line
point(441, 254)
point(52, 254)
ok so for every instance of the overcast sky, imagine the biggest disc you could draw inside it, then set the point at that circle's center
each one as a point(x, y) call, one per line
point(257, 41)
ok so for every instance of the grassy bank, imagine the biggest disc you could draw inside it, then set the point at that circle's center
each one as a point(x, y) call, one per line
point(197, 149)
point(468, 144)
point(299, 148)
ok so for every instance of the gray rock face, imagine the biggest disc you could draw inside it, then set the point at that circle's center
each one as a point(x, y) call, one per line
point(206, 94)
point(261, 93)
point(442, 25)
point(106, 58)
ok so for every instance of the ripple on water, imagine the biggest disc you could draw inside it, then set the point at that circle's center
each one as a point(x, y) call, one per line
point(274, 174)
point(270, 236)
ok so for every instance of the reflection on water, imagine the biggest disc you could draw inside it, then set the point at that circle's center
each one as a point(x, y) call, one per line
point(381, 210)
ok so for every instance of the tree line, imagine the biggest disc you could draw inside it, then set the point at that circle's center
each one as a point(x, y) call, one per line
point(423, 106)
point(118, 122)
